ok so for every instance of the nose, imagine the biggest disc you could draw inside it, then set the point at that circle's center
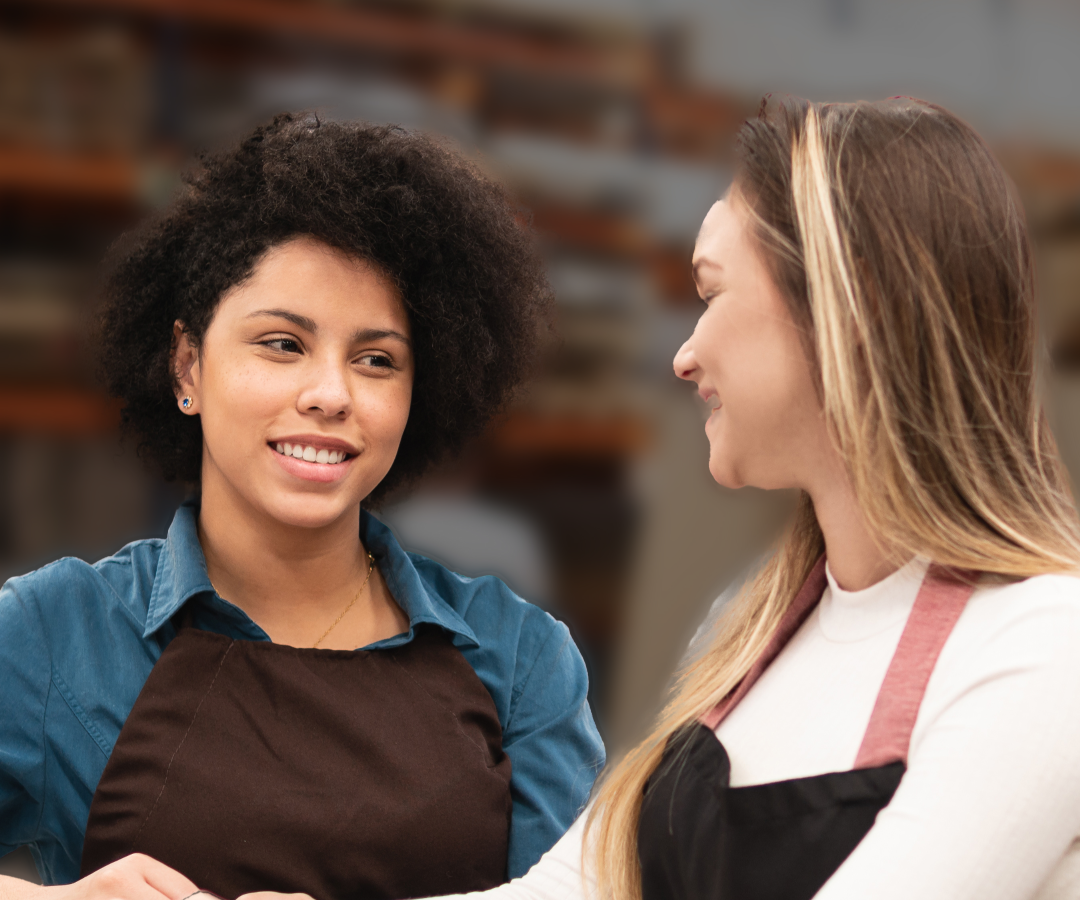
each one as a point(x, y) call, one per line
point(326, 391)
point(685, 363)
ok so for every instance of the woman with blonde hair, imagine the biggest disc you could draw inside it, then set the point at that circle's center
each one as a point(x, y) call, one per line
point(891, 707)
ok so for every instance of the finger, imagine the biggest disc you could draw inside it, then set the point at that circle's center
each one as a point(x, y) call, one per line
point(124, 879)
point(163, 879)
point(273, 895)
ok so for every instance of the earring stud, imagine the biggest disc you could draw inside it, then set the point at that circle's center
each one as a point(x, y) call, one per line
point(186, 403)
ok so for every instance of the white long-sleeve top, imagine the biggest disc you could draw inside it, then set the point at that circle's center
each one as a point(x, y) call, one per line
point(989, 808)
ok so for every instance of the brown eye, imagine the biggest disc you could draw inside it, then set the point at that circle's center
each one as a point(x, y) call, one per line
point(376, 361)
point(284, 345)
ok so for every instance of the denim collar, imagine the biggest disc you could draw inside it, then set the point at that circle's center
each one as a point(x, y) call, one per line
point(181, 575)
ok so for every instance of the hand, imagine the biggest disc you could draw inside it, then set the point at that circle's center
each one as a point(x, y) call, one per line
point(135, 877)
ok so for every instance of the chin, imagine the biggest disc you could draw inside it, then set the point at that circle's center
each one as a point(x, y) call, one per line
point(310, 515)
point(314, 511)
point(725, 474)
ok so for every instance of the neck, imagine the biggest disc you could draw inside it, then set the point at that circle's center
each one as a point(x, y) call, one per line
point(285, 577)
point(858, 557)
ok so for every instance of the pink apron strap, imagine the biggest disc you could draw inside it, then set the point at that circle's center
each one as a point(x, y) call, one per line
point(801, 607)
point(941, 599)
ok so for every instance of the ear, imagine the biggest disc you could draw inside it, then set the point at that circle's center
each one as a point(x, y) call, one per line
point(185, 363)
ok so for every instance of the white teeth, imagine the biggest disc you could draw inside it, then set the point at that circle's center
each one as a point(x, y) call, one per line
point(310, 454)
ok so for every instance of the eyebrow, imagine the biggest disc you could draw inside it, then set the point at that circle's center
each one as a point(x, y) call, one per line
point(705, 261)
point(360, 336)
point(297, 320)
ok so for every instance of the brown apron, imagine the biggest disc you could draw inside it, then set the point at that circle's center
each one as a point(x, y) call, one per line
point(248, 765)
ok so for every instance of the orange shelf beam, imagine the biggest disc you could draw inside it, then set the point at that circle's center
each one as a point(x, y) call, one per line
point(526, 434)
point(591, 230)
point(68, 412)
point(34, 170)
point(377, 29)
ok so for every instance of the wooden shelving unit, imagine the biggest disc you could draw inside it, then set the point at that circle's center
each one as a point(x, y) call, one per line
point(455, 55)
point(430, 36)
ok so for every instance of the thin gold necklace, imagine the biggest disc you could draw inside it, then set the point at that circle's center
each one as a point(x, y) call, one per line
point(352, 603)
point(367, 578)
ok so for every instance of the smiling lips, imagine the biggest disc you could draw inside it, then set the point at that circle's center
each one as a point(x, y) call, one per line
point(311, 454)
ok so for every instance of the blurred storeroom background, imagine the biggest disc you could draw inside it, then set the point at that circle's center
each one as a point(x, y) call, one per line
point(612, 122)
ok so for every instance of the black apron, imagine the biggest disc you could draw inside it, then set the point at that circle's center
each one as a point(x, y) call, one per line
point(248, 765)
point(700, 839)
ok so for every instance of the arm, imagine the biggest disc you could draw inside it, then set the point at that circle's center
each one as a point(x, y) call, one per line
point(553, 746)
point(25, 678)
point(17, 889)
point(991, 799)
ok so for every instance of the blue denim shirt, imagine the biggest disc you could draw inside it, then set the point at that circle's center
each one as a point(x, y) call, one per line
point(78, 641)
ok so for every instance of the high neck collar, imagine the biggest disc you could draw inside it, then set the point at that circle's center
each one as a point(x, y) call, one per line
point(855, 615)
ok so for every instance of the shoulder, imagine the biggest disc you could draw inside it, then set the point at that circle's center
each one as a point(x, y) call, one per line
point(521, 653)
point(495, 614)
point(64, 595)
point(1014, 642)
point(517, 650)
point(1062, 588)
point(1035, 620)
point(1044, 608)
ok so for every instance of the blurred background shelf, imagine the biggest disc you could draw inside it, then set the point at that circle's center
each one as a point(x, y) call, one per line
point(39, 171)
point(64, 412)
point(477, 40)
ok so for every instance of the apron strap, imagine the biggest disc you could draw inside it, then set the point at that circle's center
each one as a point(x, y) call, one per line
point(941, 599)
point(801, 607)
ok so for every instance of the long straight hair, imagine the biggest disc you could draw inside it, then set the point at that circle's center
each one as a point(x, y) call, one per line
point(901, 249)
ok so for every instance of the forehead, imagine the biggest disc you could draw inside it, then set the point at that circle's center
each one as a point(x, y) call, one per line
point(720, 234)
point(304, 272)
point(304, 257)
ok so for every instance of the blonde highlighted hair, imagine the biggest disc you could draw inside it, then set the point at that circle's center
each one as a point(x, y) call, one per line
point(902, 251)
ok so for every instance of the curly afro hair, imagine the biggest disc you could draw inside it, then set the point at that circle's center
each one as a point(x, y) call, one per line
point(471, 280)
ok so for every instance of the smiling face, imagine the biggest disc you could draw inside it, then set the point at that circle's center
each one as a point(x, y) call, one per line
point(303, 383)
point(746, 355)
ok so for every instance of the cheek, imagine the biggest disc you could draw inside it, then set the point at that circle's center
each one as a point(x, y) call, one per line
point(249, 391)
point(383, 410)
point(764, 384)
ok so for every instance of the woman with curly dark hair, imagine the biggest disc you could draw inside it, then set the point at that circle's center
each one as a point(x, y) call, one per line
point(324, 312)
